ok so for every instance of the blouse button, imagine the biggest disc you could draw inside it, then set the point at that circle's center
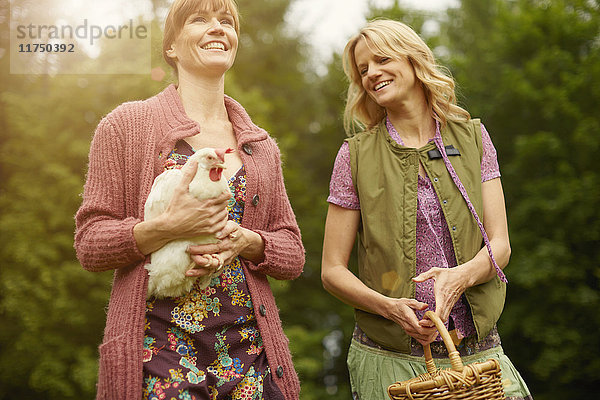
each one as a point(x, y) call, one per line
point(262, 310)
point(255, 200)
point(280, 371)
point(247, 149)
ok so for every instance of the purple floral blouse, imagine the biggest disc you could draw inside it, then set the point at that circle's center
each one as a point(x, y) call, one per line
point(434, 245)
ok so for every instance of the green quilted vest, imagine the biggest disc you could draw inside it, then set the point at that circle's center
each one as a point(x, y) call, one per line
point(385, 175)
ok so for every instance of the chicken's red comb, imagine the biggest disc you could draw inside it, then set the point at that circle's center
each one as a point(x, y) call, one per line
point(221, 153)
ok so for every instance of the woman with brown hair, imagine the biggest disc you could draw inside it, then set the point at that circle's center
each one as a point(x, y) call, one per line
point(420, 185)
point(224, 341)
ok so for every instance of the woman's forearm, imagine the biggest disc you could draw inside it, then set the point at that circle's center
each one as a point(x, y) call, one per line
point(340, 233)
point(343, 284)
point(151, 235)
point(480, 268)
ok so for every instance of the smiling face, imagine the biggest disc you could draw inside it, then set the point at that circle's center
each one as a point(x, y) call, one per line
point(201, 36)
point(389, 82)
point(207, 43)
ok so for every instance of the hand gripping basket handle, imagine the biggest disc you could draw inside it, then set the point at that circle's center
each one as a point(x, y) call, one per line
point(478, 380)
point(453, 355)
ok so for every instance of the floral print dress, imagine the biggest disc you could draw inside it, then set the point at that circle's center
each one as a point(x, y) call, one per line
point(206, 344)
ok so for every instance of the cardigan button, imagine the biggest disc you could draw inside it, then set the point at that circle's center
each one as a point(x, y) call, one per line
point(247, 149)
point(255, 200)
point(445, 201)
point(262, 310)
point(280, 371)
point(435, 179)
point(454, 228)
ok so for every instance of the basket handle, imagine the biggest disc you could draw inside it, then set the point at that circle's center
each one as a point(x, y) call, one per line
point(454, 356)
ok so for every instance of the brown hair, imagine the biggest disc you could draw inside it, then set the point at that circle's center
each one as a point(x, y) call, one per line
point(180, 11)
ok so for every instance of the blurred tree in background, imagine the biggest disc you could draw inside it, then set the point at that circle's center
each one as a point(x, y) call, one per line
point(51, 311)
point(529, 68)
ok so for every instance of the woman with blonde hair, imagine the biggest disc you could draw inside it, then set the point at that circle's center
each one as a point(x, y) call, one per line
point(420, 185)
point(224, 341)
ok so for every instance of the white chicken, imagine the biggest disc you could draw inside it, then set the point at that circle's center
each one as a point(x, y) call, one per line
point(168, 264)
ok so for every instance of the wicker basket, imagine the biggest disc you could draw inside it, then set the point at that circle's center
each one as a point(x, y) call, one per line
point(480, 380)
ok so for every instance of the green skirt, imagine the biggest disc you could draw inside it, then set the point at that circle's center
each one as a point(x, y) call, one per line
point(373, 370)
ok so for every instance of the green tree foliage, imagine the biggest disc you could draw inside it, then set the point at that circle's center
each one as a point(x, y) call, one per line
point(531, 70)
point(51, 310)
point(321, 314)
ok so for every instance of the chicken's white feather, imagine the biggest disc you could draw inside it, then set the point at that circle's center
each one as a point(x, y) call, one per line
point(161, 193)
point(168, 264)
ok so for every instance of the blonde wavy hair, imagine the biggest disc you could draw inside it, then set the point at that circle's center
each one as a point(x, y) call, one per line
point(393, 39)
point(180, 11)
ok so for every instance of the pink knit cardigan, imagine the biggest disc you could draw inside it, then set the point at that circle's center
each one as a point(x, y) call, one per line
point(127, 152)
